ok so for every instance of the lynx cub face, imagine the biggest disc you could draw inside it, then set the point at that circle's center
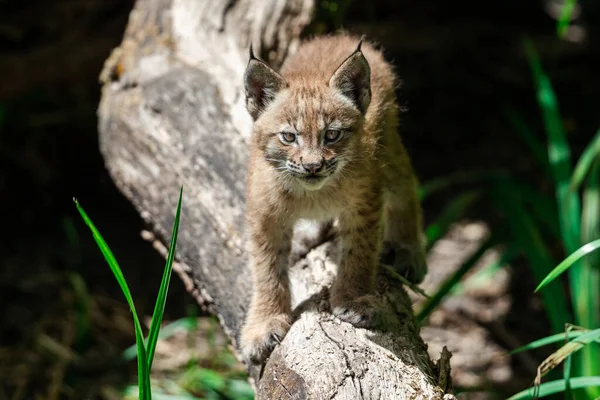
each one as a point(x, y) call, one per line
point(325, 146)
point(307, 130)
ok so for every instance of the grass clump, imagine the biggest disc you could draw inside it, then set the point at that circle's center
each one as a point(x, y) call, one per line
point(145, 347)
point(538, 223)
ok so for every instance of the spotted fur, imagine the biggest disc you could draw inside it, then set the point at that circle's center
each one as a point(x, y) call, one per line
point(332, 87)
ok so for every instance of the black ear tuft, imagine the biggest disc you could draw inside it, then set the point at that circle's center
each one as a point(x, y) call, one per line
point(261, 84)
point(360, 42)
point(353, 79)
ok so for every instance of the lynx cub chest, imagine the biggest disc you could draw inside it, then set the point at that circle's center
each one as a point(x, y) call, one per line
point(325, 146)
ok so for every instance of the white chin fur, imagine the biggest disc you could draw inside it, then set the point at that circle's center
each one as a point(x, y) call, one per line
point(312, 186)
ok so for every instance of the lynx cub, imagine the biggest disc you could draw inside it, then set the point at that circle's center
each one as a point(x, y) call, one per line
point(325, 147)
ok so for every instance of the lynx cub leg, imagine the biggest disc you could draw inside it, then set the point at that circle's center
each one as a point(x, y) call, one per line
point(269, 315)
point(404, 243)
point(352, 297)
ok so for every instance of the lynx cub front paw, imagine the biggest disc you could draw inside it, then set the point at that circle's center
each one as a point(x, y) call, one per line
point(361, 312)
point(260, 338)
point(408, 261)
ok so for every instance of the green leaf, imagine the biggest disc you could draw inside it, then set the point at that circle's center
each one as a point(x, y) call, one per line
point(548, 388)
point(159, 307)
point(567, 367)
point(186, 324)
point(548, 340)
point(589, 155)
point(588, 309)
point(559, 153)
point(584, 278)
point(567, 377)
point(565, 17)
point(569, 261)
point(565, 351)
point(143, 371)
point(590, 217)
point(568, 202)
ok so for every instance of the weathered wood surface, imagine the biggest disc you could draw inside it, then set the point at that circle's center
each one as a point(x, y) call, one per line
point(172, 113)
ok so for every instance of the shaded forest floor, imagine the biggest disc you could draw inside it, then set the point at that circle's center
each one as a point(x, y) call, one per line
point(65, 323)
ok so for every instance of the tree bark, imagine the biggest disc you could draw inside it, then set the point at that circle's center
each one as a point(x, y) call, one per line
point(172, 112)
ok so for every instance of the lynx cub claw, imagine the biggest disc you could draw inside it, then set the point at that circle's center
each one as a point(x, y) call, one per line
point(360, 312)
point(408, 261)
point(260, 338)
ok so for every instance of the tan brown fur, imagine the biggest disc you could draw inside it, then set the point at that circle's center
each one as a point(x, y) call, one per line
point(371, 191)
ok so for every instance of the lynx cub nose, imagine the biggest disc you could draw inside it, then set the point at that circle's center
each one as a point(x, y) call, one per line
point(313, 168)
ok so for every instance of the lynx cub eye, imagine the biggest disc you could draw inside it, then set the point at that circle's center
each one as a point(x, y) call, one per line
point(333, 135)
point(287, 137)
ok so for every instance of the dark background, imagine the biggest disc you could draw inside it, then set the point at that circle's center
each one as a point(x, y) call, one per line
point(462, 66)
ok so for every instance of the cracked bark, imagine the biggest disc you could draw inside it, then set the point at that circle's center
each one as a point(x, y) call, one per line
point(172, 113)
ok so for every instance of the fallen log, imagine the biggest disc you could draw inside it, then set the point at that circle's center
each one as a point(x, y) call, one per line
point(172, 112)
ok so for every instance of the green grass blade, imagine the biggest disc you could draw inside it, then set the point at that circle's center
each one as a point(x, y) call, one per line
point(588, 337)
point(558, 337)
point(447, 286)
point(454, 210)
point(569, 261)
point(567, 377)
point(143, 372)
point(569, 206)
point(590, 226)
point(183, 324)
point(528, 237)
point(567, 367)
point(559, 153)
point(589, 310)
point(589, 155)
point(567, 350)
point(565, 17)
point(558, 386)
point(161, 299)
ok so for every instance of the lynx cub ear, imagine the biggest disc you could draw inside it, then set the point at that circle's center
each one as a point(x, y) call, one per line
point(353, 79)
point(261, 83)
